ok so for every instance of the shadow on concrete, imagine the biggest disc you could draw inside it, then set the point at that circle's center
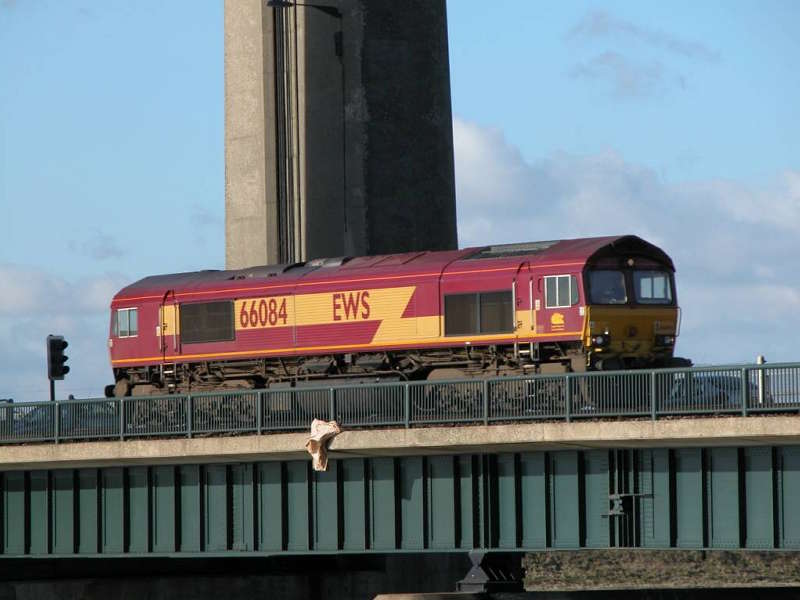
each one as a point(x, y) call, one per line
point(321, 578)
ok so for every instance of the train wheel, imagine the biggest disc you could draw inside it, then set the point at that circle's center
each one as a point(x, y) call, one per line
point(122, 388)
point(448, 400)
point(678, 362)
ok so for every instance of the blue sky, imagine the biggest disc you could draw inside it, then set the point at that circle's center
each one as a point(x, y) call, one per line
point(675, 121)
point(112, 134)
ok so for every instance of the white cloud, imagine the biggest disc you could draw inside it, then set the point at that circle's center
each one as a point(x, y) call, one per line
point(601, 24)
point(621, 66)
point(100, 246)
point(776, 205)
point(734, 245)
point(35, 303)
point(28, 290)
point(628, 78)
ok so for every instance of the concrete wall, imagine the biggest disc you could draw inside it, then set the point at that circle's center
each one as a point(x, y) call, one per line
point(520, 437)
point(410, 183)
point(337, 148)
point(250, 180)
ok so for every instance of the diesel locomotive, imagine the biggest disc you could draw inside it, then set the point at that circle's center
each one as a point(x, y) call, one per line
point(562, 305)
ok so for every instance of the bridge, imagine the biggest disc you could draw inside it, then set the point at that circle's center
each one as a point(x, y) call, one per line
point(505, 465)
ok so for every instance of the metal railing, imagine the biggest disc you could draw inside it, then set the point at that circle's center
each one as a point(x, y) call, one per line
point(740, 390)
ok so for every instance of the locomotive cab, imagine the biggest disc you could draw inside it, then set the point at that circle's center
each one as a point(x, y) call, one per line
point(632, 315)
point(123, 338)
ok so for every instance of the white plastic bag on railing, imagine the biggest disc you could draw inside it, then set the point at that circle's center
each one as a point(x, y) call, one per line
point(317, 445)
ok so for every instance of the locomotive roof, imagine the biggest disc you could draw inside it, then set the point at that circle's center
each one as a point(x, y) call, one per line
point(541, 253)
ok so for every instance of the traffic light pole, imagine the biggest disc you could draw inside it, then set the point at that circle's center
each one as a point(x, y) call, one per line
point(52, 391)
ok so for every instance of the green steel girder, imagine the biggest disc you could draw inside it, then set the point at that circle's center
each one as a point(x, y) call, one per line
point(654, 498)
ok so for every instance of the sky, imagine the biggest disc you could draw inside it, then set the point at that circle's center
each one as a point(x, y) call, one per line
point(674, 121)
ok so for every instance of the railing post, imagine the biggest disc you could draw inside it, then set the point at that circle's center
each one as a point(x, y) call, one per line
point(332, 403)
point(189, 407)
point(745, 391)
point(407, 405)
point(567, 398)
point(260, 409)
point(121, 419)
point(653, 395)
point(485, 401)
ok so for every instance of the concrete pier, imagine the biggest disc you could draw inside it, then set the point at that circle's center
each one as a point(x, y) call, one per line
point(338, 130)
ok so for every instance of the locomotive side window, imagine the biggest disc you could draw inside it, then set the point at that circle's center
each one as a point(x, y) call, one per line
point(561, 291)
point(652, 287)
point(487, 312)
point(461, 314)
point(496, 312)
point(126, 322)
point(206, 322)
point(133, 322)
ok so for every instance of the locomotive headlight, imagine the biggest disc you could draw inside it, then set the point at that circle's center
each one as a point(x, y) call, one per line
point(665, 340)
point(601, 340)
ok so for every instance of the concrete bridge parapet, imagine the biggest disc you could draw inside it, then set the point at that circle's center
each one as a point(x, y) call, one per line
point(469, 439)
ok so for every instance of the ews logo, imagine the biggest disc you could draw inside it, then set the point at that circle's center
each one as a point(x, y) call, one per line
point(351, 306)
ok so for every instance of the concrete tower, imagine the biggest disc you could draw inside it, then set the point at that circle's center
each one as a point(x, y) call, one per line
point(338, 130)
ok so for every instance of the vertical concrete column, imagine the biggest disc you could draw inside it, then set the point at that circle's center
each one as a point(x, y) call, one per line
point(330, 69)
point(377, 139)
point(338, 130)
point(408, 130)
point(250, 131)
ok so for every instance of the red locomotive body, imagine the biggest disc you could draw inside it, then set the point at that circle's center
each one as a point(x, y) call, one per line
point(587, 303)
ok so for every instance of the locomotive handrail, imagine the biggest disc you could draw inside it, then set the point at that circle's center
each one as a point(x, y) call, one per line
point(741, 389)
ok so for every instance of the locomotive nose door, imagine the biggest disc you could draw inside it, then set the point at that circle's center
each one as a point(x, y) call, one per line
point(524, 320)
point(168, 326)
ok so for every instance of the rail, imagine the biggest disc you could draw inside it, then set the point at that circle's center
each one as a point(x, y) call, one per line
point(653, 394)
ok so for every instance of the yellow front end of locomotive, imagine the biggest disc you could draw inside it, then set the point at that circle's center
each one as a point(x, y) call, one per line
point(626, 336)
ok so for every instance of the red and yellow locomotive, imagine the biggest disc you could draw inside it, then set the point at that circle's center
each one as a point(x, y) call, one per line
point(593, 303)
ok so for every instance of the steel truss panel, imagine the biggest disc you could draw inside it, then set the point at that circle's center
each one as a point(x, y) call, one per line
point(652, 498)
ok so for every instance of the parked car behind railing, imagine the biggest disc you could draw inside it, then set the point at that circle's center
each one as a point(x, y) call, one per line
point(709, 391)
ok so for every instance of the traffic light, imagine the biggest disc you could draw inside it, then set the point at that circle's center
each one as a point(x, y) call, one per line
point(56, 369)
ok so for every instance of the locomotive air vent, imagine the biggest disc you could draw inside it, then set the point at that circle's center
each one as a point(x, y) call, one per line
point(260, 271)
point(504, 250)
point(328, 262)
